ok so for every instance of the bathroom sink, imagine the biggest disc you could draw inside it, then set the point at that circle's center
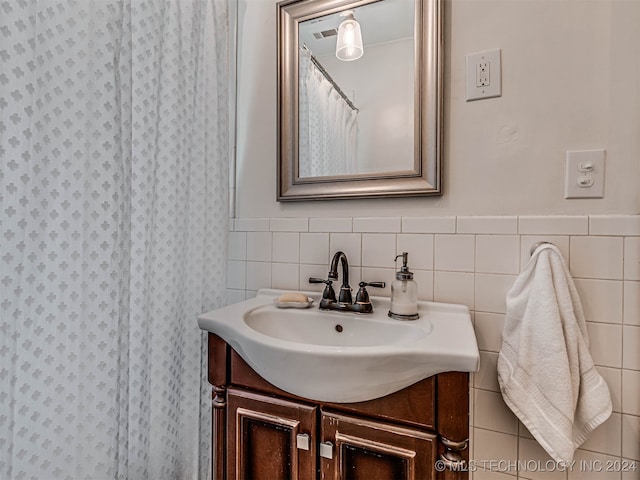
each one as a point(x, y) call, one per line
point(345, 357)
point(319, 328)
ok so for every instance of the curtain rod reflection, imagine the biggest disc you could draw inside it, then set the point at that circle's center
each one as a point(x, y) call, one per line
point(319, 66)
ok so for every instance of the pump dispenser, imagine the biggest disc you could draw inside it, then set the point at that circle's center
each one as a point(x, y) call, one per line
point(404, 293)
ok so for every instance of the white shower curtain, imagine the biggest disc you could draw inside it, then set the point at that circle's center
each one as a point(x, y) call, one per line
point(328, 127)
point(113, 209)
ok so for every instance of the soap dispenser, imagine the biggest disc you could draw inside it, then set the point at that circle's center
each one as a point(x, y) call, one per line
point(404, 293)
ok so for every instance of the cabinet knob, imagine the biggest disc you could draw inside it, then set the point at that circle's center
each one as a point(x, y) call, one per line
point(303, 441)
point(326, 450)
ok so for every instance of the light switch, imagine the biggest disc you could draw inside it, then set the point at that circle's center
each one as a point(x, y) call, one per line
point(584, 176)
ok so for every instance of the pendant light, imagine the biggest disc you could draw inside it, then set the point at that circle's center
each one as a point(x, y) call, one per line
point(349, 44)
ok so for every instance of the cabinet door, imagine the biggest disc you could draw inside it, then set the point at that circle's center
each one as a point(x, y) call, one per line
point(370, 450)
point(266, 438)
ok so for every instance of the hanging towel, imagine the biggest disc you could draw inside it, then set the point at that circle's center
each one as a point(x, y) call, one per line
point(545, 370)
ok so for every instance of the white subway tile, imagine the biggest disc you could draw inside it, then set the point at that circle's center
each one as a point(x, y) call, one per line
point(492, 413)
point(613, 378)
point(307, 271)
point(596, 257)
point(489, 328)
point(429, 224)
point(454, 287)
point(258, 275)
point(454, 253)
point(331, 225)
point(593, 466)
point(236, 274)
point(538, 465)
point(349, 243)
point(632, 258)
point(494, 446)
point(491, 292)
point(624, 225)
point(300, 224)
point(553, 225)
point(487, 377)
point(631, 437)
point(286, 247)
point(424, 279)
point(378, 250)
point(284, 276)
point(631, 303)
point(237, 246)
point(607, 437)
point(235, 296)
point(631, 392)
point(487, 225)
point(605, 344)
point(377, 225)
point(370, 274)
point(523, 431)
point(259, 246)
point(601, 299)
point(252, 224)
point(484, 472)
point(528, 241)
point(314, 248)
point(420, 249)
point(631, 348)
point(497, 254)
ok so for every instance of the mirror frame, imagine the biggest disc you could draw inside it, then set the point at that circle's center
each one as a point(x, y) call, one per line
point(425, 179)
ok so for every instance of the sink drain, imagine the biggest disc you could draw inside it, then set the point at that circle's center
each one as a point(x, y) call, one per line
point(339, 328)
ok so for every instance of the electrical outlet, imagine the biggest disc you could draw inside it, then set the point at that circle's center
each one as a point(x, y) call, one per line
point(484, 75)
point(483, 69)
point(584, 177)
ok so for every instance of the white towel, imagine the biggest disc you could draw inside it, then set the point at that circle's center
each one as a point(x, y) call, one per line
point(545, 370)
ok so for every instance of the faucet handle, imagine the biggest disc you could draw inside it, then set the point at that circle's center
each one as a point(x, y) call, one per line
point(363, 296)
point(328, 293)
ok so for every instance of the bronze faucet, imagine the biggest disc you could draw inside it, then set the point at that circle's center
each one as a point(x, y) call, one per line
point(344, 302)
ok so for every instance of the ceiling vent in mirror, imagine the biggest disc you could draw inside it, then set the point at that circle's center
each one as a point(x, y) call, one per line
point(325, 34)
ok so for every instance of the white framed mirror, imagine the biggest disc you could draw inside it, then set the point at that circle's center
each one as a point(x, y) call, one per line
point(369, 124)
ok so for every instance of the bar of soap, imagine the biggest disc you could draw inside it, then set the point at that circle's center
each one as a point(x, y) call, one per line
point(297, 297)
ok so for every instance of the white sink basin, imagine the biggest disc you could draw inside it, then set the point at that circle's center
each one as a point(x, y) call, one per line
point(316, 327)
point(345, 357)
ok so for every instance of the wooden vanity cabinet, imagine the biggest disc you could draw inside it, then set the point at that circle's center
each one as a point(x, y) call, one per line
point(261, 432)
point(363, 449)
point(263, 437)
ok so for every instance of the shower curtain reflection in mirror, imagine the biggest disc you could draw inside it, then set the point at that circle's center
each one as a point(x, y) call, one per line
point(328, 124)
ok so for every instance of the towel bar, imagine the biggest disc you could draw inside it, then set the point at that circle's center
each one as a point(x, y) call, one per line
point(535, 246)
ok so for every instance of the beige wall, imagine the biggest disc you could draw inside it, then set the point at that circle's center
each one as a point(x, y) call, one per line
point(571, 80)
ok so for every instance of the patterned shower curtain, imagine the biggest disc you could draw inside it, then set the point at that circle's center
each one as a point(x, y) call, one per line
point(113, 209)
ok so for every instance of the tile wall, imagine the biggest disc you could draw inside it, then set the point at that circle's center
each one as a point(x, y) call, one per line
point(474, 261)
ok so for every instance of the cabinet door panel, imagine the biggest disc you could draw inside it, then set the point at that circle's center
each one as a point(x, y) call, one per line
point(366, 450)
point(262, 438)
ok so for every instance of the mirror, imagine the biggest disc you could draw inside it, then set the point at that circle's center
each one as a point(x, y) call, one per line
point(367, 126)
